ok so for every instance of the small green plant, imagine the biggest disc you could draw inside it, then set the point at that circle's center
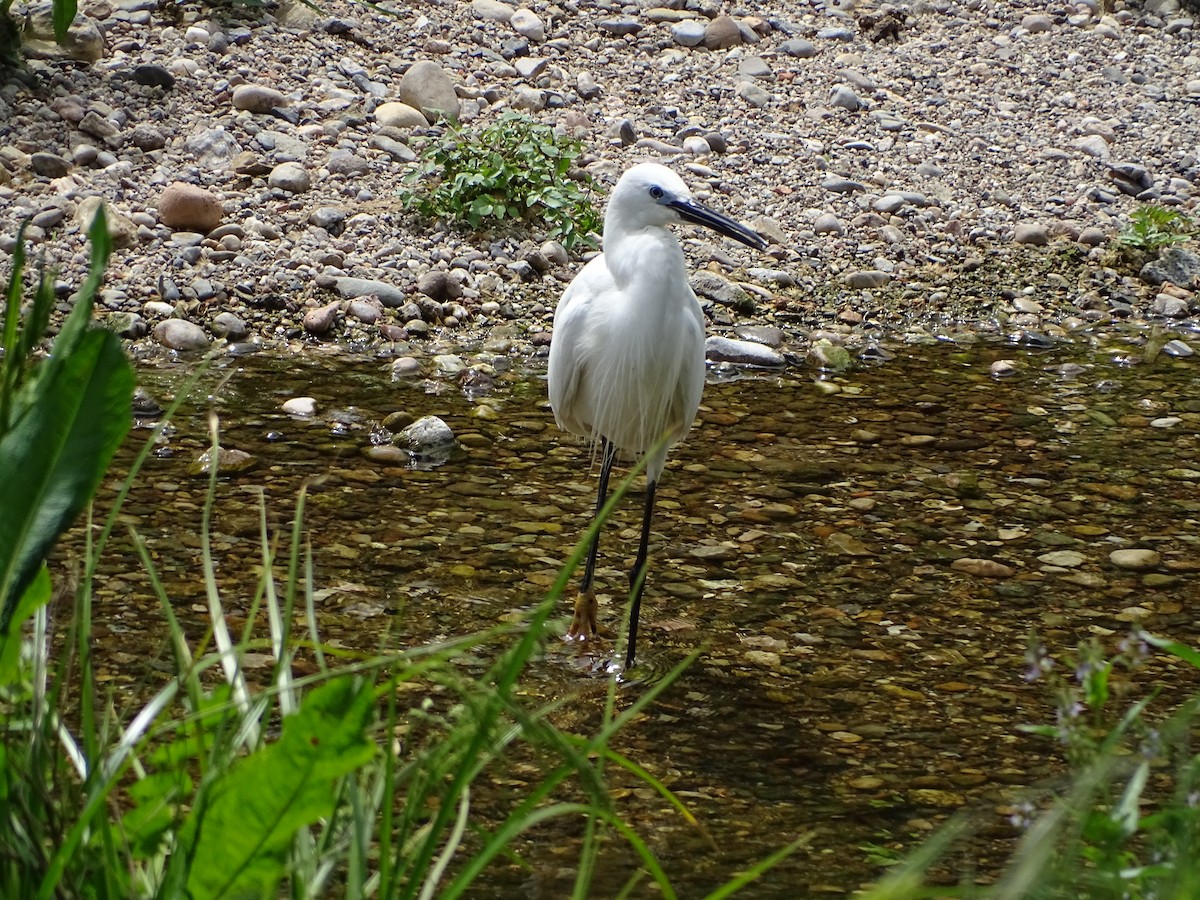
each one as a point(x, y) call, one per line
point(514, 170)
point(1153, 227)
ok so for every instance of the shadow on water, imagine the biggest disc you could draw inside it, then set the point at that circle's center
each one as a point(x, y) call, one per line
point(862, 562)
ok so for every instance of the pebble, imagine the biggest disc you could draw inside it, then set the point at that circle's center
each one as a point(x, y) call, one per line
point(984, 568)
point(300, 406)
point(1136, 559)
point(180, 334)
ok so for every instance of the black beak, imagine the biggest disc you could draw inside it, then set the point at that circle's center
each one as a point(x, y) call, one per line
point(699, 214)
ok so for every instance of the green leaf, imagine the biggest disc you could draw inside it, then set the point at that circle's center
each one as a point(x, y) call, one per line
point(240, 836)
point(64, 14)
point(36, 595)
point(65, 433)
point(66, 422)
point(1175, 648)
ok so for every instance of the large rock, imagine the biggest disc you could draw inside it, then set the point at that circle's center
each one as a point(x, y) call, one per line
point(1176, 265)
point(190, 208)
point(83, 41)
point(427, 87)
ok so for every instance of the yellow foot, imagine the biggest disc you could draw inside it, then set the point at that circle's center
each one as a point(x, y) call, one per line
point(583, 623)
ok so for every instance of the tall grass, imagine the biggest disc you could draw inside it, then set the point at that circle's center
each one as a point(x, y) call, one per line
point(210, 784)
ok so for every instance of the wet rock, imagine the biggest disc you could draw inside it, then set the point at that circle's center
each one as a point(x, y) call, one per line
point(180, 334)
point(300, 406)
point(1067, 559)
point(1135, 558)
point(983, 568)
point(427, 87)
point(428, 436)
point(825, 354)
point(154, 76)
point(742, 353)
point(190, 208)
point(229, 461)
point(127, 325)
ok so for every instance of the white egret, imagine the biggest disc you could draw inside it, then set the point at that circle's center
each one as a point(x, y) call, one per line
point(627, 352)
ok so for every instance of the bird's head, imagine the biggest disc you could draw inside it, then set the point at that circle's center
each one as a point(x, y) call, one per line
point(650, 195)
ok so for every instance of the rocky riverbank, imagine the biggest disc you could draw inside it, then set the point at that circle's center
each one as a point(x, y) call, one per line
point(942, 166)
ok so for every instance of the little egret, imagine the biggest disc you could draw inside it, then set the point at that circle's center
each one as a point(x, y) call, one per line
point(627, 352)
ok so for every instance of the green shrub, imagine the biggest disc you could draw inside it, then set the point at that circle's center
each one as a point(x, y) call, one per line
point(1152, 227)
point(514, 170)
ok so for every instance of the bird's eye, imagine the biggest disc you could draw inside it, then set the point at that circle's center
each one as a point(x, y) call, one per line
point(656, 192)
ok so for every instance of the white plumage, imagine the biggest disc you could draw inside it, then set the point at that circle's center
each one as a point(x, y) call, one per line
point(627, 354)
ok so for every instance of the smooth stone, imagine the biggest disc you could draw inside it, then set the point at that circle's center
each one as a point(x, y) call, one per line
point(427, 435)
point(1135, 558)
point(828, 223)
point(321, 320)
point(180, 334)
point(258, 98)
point(740, 352)
point(388, 295)
point(870, 278)
point(843, 96)
point(824, 354)
point(983, 568)
point(121, 230)
point(291, 177)
point(1035, 234)
point(49, 165)
point(722, 33)
point(526, 23)
point(722, 290)
point(399, 115)
point(427, 87)
point(799, 48)
point(688, 33)
point(229, 326)
point(189, 207)
point(300, 406)
point(1067, 559)
point(753, 94)
point(492, 10)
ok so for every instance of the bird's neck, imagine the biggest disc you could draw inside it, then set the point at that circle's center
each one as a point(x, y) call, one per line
point(639, 261)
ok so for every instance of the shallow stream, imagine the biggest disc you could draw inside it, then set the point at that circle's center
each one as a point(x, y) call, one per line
point(861, 559)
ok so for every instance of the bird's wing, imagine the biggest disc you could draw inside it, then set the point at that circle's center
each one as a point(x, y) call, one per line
point(571, 341)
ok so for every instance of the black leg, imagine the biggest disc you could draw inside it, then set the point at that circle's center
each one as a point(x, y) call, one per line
point(637, 578)
point(583, 623)
point(607, 453)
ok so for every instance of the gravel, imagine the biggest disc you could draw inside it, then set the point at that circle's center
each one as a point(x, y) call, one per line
point(913, 165)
